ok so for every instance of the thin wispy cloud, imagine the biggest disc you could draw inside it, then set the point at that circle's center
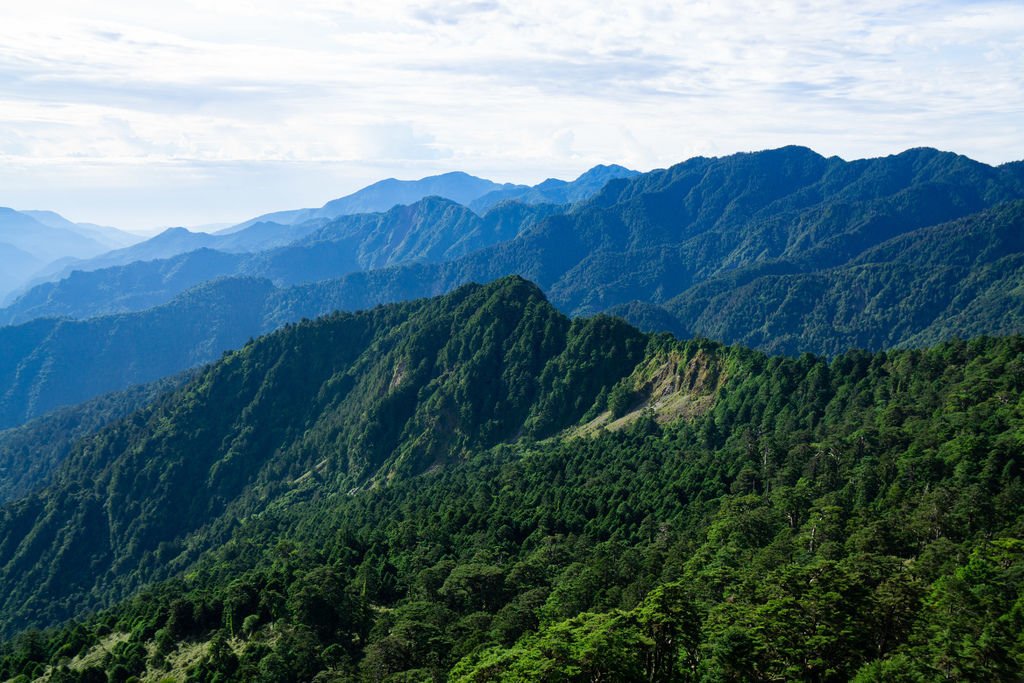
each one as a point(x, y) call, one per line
point(119, 112)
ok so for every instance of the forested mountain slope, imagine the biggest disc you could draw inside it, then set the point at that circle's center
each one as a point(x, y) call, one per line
point(961, 278)
point(48, 363)
point(476, 487)
point(390, 391)
point(29, 454)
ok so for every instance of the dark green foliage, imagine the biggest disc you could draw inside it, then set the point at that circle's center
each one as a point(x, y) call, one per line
point(390, 391)
point(799, 519)
point(30, 453)
point(958, 279)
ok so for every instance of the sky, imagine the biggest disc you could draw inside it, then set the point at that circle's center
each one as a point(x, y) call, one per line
point(144, 114)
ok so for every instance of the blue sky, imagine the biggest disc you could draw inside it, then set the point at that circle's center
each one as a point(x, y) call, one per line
point(142, 114)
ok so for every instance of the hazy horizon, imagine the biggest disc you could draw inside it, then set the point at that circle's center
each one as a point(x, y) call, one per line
point(150, 230)
point(119, 114)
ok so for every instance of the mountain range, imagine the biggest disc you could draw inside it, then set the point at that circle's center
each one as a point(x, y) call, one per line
point(429, 231)
point(783, 250)
point(285, 227)
point(553, 190)
point(30, 240)
point(457, 186)
point(319, 450)
point(475, 487)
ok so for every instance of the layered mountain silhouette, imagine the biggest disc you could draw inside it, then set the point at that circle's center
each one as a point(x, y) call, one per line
point(430, 231)
point(174, 241)
point(555, 191)
point(285, 227)
point(111, 238)
point(457, 186)
point(279, 228)
point(784, 250)
point(30, 240)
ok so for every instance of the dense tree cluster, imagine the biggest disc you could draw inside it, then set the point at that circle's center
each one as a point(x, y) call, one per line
point(802, 518)
point(29, 454)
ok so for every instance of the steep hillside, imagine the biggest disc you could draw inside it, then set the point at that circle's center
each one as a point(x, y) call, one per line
point(29, 454)
point(476, 488)
point(961, 278)
point(50, 363)
point(357, 397)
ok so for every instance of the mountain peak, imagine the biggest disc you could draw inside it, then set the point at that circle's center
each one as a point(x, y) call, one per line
point(605, 171)
point(51, 218)
point(555, 191)
point(173, 233)
point(6, 211)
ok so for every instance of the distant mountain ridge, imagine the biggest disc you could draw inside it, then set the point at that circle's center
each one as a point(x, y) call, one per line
point(112, 238)
point(457, 186)
point(555, 191)
point(286, 227)
point(29, 240)
point(283, 227)
point(784, 249)
point(430, 230)
point(174, 241)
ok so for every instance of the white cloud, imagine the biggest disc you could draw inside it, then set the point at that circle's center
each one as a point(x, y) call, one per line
point(164, 96)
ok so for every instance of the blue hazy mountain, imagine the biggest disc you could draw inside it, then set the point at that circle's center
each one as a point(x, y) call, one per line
point(380, 196)
point(18, 267)
point(44, 242)
point(555, 191)
point(283, 227)
point(112, 238)
point(30, 240)
point(174, 241)
point(430, 230)
point(786, 249)
point(420, 233)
